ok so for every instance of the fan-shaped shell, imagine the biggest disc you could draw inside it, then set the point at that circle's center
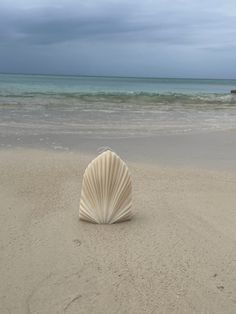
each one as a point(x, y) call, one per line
point(106, 190)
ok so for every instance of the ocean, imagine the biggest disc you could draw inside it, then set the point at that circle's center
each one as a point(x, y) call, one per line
point(114, 107)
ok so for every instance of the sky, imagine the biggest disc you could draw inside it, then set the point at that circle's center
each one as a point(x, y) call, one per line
point(153, 38)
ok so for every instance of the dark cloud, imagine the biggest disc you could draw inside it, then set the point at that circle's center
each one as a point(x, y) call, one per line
point(155, 27)
point(117, 21)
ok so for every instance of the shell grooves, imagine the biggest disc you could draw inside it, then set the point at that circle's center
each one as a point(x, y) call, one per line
point(106, 190)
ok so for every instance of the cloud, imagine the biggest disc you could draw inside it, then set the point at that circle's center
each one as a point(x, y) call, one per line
point(133, 36)
point(159, 21)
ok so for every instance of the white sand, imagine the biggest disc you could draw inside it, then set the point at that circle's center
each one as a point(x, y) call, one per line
point(178, 255)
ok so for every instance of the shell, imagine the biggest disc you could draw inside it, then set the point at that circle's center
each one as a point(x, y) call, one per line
point(106, 190)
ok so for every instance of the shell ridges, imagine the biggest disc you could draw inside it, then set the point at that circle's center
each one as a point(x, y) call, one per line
point(106, 190)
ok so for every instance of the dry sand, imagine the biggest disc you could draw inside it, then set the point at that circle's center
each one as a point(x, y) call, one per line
point(178, 255)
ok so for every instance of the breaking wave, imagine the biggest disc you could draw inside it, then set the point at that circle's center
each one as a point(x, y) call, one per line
point(121, 97)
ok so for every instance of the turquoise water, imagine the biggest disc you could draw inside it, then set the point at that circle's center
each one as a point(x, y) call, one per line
point(46, 84)
point(110, 106)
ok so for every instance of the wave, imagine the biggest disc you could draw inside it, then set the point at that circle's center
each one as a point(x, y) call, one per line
point(124, 97)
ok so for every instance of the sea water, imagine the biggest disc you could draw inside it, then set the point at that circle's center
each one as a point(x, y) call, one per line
point(103, 107)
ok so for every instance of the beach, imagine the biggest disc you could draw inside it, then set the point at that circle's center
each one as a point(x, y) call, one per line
point(177, 255)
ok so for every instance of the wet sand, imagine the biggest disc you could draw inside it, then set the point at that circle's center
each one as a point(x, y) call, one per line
point(214, 150)
point(178, 254)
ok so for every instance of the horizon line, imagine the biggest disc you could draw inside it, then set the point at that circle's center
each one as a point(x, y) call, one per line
point(116, 76)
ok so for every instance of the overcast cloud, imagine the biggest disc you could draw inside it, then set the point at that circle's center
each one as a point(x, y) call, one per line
point(138, 38)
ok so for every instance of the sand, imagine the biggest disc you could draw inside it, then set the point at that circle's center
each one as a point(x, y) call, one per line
point(178, 254)
point(209, 150)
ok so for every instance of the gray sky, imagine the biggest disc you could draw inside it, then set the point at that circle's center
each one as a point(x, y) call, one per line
point(171, 38)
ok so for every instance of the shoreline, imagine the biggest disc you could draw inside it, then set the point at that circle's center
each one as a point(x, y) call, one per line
point(213, 150)
point(176, 255)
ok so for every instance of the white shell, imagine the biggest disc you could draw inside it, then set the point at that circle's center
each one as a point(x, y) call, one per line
point(106, 190)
